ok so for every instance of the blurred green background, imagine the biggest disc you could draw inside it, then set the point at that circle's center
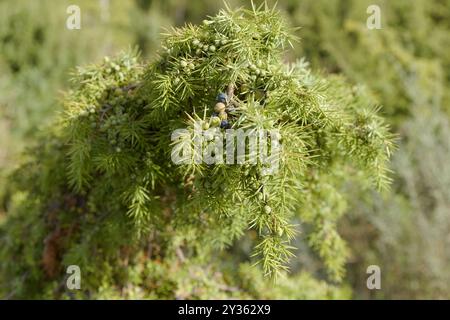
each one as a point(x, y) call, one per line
point(405, 66)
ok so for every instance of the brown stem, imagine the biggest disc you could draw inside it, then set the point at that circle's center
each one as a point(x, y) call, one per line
point(230, 91)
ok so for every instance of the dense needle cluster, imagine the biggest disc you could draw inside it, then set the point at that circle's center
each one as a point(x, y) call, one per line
point(109, 156)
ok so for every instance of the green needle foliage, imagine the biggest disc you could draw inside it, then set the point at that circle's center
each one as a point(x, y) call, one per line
point(101, 191)
point(406, 67)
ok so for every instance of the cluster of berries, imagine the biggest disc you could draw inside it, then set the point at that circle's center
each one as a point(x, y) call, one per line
point(257, 70)
point(90, 113)
point(207, 48)
point(110, 117)
point(118, 69)
point(220, 116)
point(187, 66)
point(111, 127)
